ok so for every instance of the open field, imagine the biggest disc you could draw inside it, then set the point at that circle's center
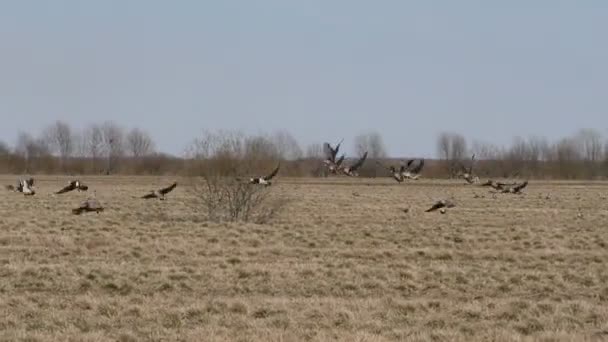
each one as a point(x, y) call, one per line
point(341, 262)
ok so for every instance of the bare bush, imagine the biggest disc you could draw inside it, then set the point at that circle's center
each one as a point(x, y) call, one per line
point(59, 139)
point(228, 199)
point(139, 143)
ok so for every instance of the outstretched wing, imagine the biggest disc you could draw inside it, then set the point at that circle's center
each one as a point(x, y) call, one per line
point(359, 162)
point(415, 168)
point(30, 182)
point(274, 173)
point(149, 195)
point(519, 187)
point(67, 188)
point(472, 163)
point(337, 148)
point(436, 206)
point(339, 161)
point(168, 189)
point(330, 153)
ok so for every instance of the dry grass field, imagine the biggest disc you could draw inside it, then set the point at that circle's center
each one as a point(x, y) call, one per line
point(343, 262)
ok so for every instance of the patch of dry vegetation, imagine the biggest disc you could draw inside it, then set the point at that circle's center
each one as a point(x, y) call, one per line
point(340, 262)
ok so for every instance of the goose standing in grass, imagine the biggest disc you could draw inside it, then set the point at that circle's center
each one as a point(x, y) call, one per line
point(24, 186)
point(351, 171)
point(413, 169)
point(265, 180)
point(73, 185)
point(160, 194)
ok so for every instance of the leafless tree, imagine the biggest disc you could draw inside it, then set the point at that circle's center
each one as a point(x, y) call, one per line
point(4, 149)
point(287, 146)
point(452, 148)
point(113, 142)
point(590, 144)
point(372, 143)
point(59, 139)
point(314, 151)
point(139, 143)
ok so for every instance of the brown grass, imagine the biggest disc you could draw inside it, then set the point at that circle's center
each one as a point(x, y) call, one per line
point(341, 262)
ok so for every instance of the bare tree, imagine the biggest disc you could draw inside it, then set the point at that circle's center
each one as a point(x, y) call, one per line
point(372, 143)
point(452, 148)
point(60, 140)
point(590, 144)
point(139, 143)
point(287, 146)
point(4, 149)
point(314, 151)
point(31, 150)
point(113, 142)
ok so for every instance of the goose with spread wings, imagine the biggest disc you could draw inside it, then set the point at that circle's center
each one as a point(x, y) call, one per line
point(160, 194)
point(467, 173)
point(330, 156)
point(396, 174)
point(265, 180)
point(351, 171)
point(442, 205)
point(24, 186)
point(91, 204)
point(412, 169)
point(73, 185)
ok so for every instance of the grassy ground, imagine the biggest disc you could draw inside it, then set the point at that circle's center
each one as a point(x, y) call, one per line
point(342, 262)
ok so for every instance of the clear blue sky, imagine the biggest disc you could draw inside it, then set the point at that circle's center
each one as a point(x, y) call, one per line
point(322, 70)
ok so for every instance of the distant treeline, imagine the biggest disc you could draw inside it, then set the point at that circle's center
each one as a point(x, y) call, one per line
point(108, 148)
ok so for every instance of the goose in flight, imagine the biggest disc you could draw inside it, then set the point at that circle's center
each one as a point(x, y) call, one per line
point(160, 194)
point(352, 170)
point(333, 167)
point(73, 185)
point(412, 169)
point(467, 174)
point(396, 174)
point(330, 152)
point(265, 180)
point(442, 205)
point(90, 204)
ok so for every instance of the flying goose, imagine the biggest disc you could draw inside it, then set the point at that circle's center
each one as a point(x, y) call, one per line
point(413, 168)
point(352, 170)
point(442, 205)
point(160, 194)
point(397, 175)
point(91, 204)
point(467, 174)
point(73, 185)
point(265, 180)
point(330, 152)
point(333, 167)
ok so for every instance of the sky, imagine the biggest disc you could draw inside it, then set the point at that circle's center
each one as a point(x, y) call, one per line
point(322, 70)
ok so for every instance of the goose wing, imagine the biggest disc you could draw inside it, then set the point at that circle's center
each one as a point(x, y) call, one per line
point(519, 187)
point(330, 153)
point(71, 186)
point(359, 162)
point(415, 167)
point(151, 194)
point(168, 189)
point(274, 173)
point(437, 205)
point(340, 160)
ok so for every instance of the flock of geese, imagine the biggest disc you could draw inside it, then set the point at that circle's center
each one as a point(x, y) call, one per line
point(410, 170)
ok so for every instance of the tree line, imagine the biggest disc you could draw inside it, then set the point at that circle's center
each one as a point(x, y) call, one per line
point(108, 148)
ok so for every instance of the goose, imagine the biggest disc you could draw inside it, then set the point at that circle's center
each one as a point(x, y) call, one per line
point(442, 205)
point(330, 152)
point(413, 168)
point(333, 167)
point(25, 186)
point(91, 204)
point(73, 185)
point(397, 175)
point(351, 171)
point(160, 194)
point(497, 185)
point(515, 189)
point(467, 174)
point(265, 180)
